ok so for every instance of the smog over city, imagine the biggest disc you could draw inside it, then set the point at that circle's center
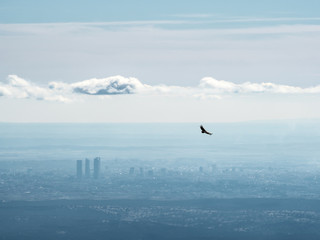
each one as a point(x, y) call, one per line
point(159, 120)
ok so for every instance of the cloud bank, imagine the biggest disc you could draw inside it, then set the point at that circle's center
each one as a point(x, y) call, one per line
point(105, 86)
point(223, 87)
point(208, 88)
point(16, 87)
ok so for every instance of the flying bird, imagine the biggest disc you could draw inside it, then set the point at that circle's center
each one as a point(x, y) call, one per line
point(204, 131)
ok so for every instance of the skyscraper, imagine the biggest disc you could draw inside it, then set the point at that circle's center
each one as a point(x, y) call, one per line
point(79, 168)
point(96, 167)
point(87, 168)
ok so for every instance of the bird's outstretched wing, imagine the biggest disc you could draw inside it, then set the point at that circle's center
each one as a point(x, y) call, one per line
point(204, 131)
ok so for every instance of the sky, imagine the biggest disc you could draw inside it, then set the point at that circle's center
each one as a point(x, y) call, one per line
point(164, 61)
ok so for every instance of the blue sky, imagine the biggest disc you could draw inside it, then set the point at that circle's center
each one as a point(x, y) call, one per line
point(33, 11)
point(62, 57)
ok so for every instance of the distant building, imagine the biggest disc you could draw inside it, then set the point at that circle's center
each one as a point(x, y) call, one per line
point(79, 168)
point(87, 168)
point(201, 169)
point(131, 171)
point(96, 167)
point(163, 171)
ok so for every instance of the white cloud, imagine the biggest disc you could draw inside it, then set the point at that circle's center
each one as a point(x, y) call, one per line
point(4, 91)
point(109, 86)
point(208, 88)
point(116, 85)
point(220, 86)
point(16, 87)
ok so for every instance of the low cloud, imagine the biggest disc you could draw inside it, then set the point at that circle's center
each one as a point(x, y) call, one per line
point(109, 86)
point(16, 87)
point(223, 87)
point(208, 88)
point(116, 85)
point(105, 86)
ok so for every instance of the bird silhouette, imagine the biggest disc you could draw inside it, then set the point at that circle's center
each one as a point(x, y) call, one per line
point(204, 131)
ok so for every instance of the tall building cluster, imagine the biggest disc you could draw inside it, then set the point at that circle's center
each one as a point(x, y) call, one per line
point(87, 169)
point(96, 167)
